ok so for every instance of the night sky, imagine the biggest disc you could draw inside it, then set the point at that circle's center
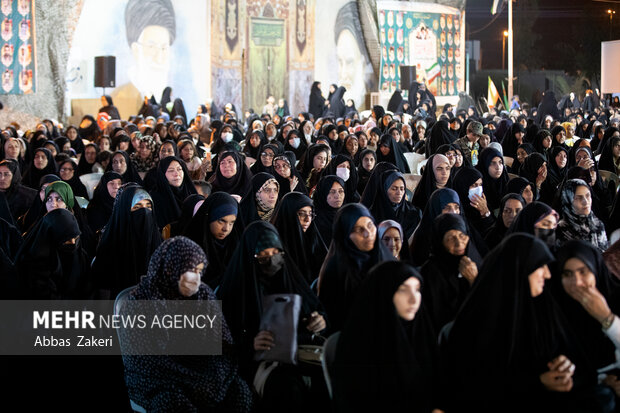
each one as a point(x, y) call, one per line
point(560, 27)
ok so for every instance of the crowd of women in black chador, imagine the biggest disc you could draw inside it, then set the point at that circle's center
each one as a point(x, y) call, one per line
point(488, 286)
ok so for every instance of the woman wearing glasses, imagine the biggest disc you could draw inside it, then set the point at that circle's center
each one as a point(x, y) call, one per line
point(288, 177)
point(294, 220)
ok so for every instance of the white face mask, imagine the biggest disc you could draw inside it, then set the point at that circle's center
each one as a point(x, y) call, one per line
point(372, 147)
point(296, 142)
point(474, 191)
point(227, 137)
point(270, 137)
point(343, 173)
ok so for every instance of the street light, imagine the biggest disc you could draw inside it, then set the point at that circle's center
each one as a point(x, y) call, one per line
point(611, 16)
point(504, 48)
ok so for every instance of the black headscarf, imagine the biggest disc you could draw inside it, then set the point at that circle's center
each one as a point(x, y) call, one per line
point(18, 196)
point(606, 162)
point(555, 175)
point(251, 151)
point(33, 175)
point(362, 173)
point(427, 184)
point(400, 372)
point(538, 142)
point(100, 207)
point(350, 189)
point(325, 214)
point(494, 188)
point(186, 382)
point(600, 348)
point(439, 135)
point(510, 142)
point(258, 166)
point(303, 145)
point(37, 208)
point(306, 164)
point(248, 210)
point(374, 182)
point(529, 216)
point(219, 252)
point(346, 267)
point(503, 338)
point(285, 183)
point(238, 184)
point(187, 213)
point(465, 178)
point(498, 230)
point(47, 270)
point(445, 289)
point(127, 242)
point(75, 183)
point(168, 199)
point(131, 174)
point(90, 133)
point(395, 156)
point(244, 286)
point(84, 167)
point(306, 249)
point(406, 214)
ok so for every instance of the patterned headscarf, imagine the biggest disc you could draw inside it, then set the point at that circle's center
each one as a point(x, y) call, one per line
point(264, 212)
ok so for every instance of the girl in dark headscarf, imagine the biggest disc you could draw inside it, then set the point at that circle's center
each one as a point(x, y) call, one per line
point(312, 164)
point(254, 143)
point(287, 175)
point(232, 175)
point(18, 196)
point(51, 263)
point(336, 103)
point(389, 150)
point(509, 344)
point(534, 170)
point(296, 143)
point(42, 164)
point(581, 275)
point(178, 109)
point(294, 219)
point(374, 182)
point(37, 208)
point(556, 168)
point(343, 167)
point(100, 207)
point(510, 207)
point(523, 151)
point(188, 210)
point(121, 164)
point(558, 136)
point(450, 270)
point(610, 156)
point(188, 383)
point(354, 250)
point(391, 203)
point(260, 202)
point(610, 132)
point(542, 142)
point(494, 176)
point(401, 371)
point(88, 159)
point(317, 101)
point(439, 135)
point(328, 199)
point(436, 175)
point(108, 107)
point(260, 266)
point(442, 201)
point(173, 186)
point(351, 148)
point(368, 160)
point(217, 229)
point(264, 161)
point(68, 173)
point(127, 242)
point(512, 139)
point(468, 183)
point(578, 220)
point(597, 137)
point(88, 130)
point(166, 149)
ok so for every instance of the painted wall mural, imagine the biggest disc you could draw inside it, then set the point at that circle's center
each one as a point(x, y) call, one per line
point(18, 54)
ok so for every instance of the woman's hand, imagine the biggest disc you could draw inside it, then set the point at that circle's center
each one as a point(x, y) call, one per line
point(591, 300)
point(540, 178)
point(560, 375)
point(586, 163)
point(480, 203)
point(189, 283)
point(316, 323)
point(293, 180)
point(468, 269)
point(614, 383)
point(264, 340)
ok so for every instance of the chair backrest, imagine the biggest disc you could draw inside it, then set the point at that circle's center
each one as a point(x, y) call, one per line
point(328, 359)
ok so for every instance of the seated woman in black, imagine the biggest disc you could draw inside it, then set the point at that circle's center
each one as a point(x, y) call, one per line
point(451, 269)
point(261, 267)
point(294, 219)
point(510, 207)
point(468, 184)
point(183, 383)
point(354, 250)
point(216, 229)
point(173, 186)
point(395, 365)
point(343, 167)
point(260, 202)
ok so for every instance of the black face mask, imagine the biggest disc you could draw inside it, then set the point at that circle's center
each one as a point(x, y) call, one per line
point(546, 235)
point(69, 248)
point(273, 265)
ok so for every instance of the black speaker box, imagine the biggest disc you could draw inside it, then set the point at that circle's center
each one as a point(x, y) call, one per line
point(407, 76)
point(105, 71)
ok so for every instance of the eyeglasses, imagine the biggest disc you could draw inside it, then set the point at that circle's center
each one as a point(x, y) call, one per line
point(266, 155)
point(264, 259)
point(333, 192)
point(270, 190)
point(66, 169)
point(305, 216)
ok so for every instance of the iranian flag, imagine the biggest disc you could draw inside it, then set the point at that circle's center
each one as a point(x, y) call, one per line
point(432, 72)
point(492, 95)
